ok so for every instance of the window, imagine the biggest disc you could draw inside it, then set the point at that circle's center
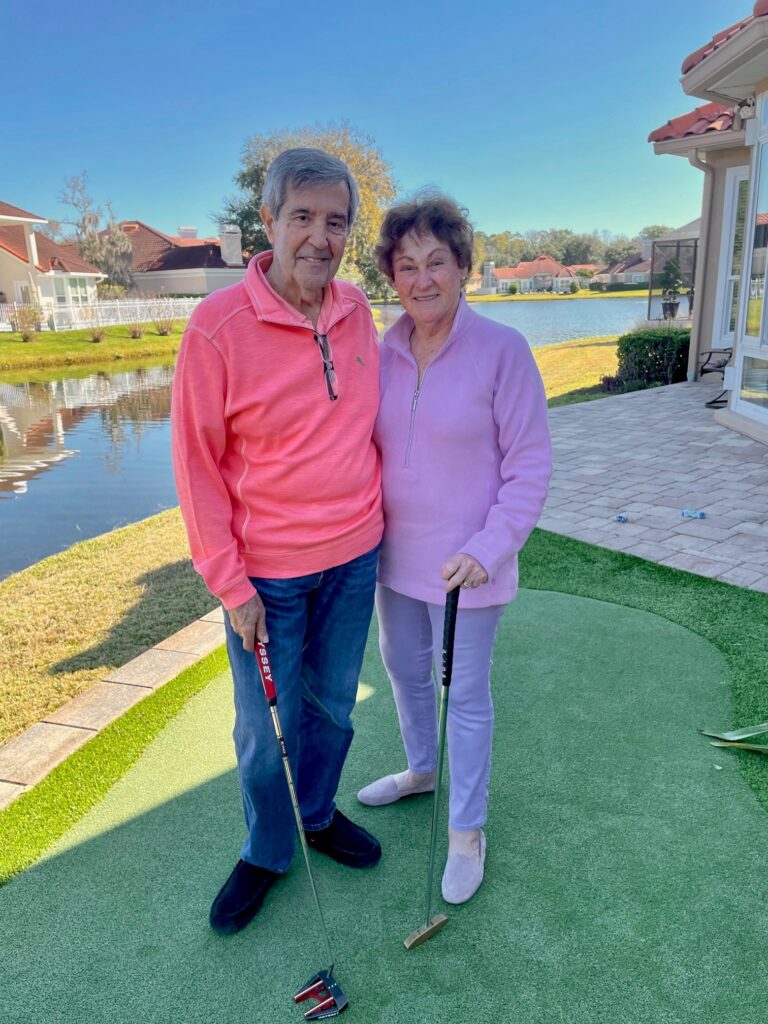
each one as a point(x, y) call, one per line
point(754, 382)
point(78, 291)
point(732, 245)
point(759, 251)
point(60, 290)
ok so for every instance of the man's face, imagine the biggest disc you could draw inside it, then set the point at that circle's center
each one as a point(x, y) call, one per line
point(309, 236)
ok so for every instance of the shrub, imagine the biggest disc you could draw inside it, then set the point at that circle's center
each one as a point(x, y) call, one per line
point(136, 330)
point(107, 291)
point(514, 288)
point(649, 357)
point(618, 286)
point(26, 320)
point(574, 287)
point(163, 326)
point(97, 333)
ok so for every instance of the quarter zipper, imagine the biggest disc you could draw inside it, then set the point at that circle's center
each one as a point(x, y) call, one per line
point(414, 403)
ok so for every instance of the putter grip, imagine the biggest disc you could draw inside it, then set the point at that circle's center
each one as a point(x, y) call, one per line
point(265, 671)
point(449, 633)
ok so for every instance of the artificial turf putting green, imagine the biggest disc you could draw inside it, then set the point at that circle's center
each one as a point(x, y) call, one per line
point(625, 874)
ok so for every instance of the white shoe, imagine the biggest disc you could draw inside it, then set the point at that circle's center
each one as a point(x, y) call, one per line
point(464, 872)
point(394, 787)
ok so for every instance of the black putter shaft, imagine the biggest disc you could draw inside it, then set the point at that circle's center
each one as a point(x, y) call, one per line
point(432, 925)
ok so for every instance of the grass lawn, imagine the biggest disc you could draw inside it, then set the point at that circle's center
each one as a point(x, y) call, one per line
point(68, 348)
point(69, 620)
point(572, 370)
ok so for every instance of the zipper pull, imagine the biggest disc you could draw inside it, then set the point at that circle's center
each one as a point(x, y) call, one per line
point(415, 400)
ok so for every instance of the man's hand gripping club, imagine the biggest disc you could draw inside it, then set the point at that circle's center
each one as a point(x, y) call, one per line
point(249, 621)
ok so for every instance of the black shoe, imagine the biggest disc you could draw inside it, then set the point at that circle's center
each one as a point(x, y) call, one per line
point(240, 897)
point(346, 842)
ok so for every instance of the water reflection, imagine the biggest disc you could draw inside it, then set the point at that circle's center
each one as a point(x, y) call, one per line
point(37, 416)
point(107, 436)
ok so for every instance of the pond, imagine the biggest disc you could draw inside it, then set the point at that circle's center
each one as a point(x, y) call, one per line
point(82, 453)
point(80, 456)
point(548, 321)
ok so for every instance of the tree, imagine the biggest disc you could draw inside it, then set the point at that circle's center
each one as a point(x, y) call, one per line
point(653, 231)
point(369, 168)
point(620, 249)
point(110, 249)
point(87, 215)
point(116, 254)
point(670, 280)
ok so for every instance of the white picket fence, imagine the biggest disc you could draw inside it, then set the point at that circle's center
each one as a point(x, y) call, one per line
point(145, 310)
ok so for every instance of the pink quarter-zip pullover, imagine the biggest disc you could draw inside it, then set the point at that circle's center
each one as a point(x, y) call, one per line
point(275, 479)
point(466, 457)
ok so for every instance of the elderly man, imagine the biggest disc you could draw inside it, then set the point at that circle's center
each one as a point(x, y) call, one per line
point(274, 401)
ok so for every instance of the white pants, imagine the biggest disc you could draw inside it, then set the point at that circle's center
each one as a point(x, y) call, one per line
point(411, 638)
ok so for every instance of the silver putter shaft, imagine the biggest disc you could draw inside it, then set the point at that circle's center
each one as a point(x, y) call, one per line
point(432, 925)
point(322, 986)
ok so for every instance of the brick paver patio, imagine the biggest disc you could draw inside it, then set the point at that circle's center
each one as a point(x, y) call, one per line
point(649, 455)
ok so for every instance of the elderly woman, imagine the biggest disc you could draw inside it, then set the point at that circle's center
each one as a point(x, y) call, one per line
point(466, 460)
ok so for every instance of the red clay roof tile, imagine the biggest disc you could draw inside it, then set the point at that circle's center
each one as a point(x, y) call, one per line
point(50, 255)
point(7, 210)
point(760, 10)
point(710, 117)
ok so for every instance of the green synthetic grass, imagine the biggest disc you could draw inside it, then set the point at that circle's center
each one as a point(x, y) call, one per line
point(41, 816)
point(730, 618)
point(625, 876)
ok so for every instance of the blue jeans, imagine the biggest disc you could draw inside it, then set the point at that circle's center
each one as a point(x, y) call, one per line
point(318, 627)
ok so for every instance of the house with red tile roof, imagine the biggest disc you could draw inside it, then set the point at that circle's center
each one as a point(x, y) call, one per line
point(540, 275)
point(35, 270)
point(633, 270)
point(183, 264)
point(726, 137)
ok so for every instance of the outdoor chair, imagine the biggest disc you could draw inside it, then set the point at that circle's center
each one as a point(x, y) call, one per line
point(715, 361)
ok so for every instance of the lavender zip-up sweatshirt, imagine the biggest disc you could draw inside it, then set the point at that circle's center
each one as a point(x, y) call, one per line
point(466, 457)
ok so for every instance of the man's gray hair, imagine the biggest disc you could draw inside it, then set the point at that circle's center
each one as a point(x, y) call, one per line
point(303, 167)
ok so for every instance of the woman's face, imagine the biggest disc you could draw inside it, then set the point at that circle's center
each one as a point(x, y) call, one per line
point(427, 278)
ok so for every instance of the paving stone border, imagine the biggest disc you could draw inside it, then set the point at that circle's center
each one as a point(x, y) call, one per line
point(647, 456)
point(28, 758)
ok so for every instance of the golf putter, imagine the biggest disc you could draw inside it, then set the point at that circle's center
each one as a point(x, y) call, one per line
point(322, 986)
point(432, 925)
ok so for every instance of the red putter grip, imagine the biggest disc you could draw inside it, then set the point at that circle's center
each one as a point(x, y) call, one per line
point(265, 671)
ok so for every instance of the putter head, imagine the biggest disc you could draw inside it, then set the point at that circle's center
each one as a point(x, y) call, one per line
point(432, 927)
point(326, 990)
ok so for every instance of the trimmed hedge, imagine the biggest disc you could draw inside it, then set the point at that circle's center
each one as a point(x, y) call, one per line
point(649, 357)
point(617, 286)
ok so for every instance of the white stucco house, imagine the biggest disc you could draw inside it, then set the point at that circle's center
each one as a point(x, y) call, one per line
point(183, 264)
point(35, 270)
point(726, 137)
point(543, 274)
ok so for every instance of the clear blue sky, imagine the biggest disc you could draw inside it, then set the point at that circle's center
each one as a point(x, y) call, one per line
point(532, 115)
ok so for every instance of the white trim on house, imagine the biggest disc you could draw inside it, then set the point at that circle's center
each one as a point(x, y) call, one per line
point(708, 141)
point(728, 74)
point(191, 281)
point(752, 347)
point(723, 336)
